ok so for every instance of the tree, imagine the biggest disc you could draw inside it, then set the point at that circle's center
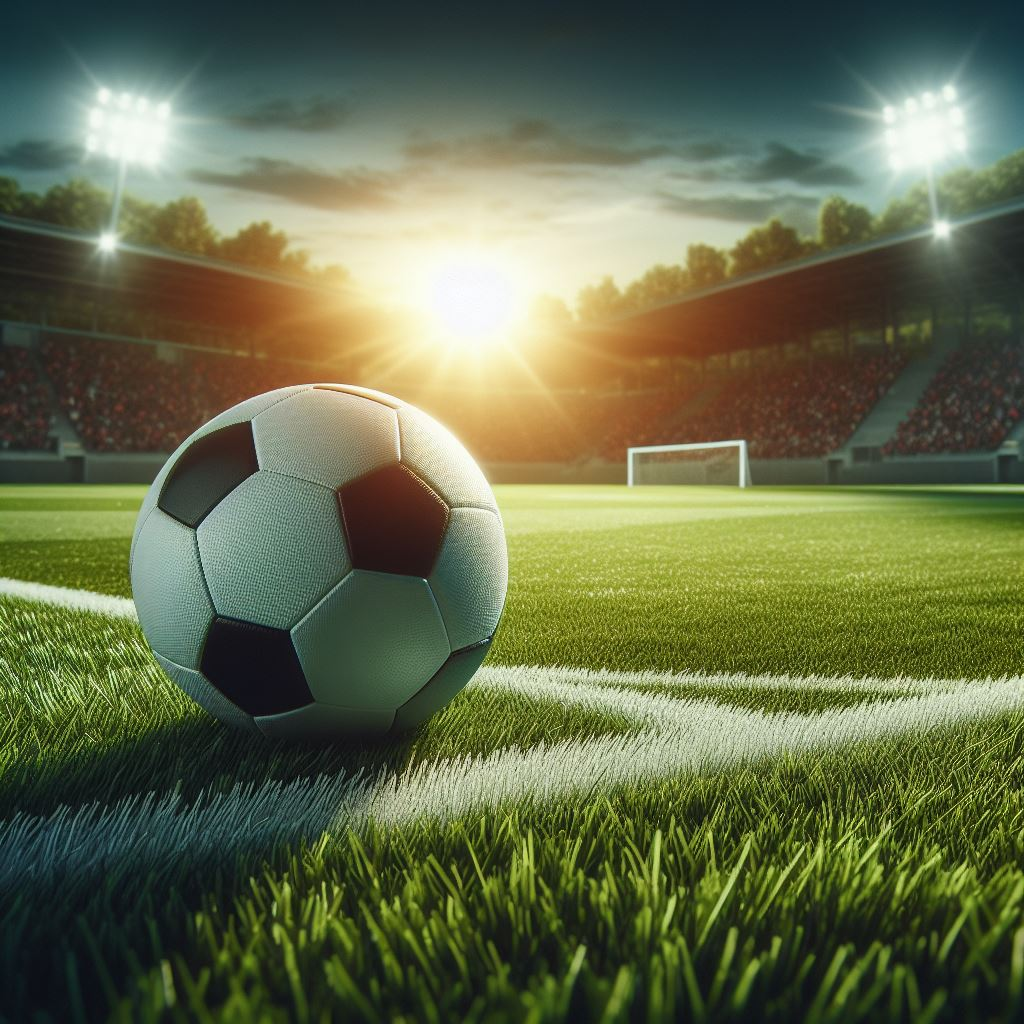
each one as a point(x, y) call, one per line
point(841, 222)
point(766, 246)
point(599, 301)
point(136, 221)
point(705, 265)
point(10, 196)
point(1004, 179)
point(330, 276)
point(257, 245)
point(549, 311)
point(908, 211)
point(962, 191)
point(182, 225)
point(78, 204)
point(659, 284)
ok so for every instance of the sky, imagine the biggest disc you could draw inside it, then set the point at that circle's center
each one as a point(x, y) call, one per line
point(563, 141)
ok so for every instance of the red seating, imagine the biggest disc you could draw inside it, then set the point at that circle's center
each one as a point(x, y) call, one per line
point(121, 397)
point(801, 410)
point(24, 402)
point(971, 404)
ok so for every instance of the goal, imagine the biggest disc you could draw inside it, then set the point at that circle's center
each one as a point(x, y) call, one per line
point(703, 462)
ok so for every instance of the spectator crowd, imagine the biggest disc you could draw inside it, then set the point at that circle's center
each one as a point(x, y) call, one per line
point(971, 404)
point(800, 410)
point(24, 401)
point(121, 397)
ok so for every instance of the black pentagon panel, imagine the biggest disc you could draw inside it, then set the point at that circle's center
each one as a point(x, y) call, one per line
point(442, 686)
point(394, 521)
point(255, 667)
point(367, 393)
point(207, 471)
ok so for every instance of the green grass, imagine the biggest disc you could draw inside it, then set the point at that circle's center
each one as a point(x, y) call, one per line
point(877, 881)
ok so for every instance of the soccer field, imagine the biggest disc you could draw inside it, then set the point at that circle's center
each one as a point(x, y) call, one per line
point(734, 755)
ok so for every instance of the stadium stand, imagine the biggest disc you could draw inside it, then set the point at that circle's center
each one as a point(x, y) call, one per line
point(640, 419)
point(555, 426)
point(24, 402)
point(799, 410)
point(121, 398)
point(971, 404)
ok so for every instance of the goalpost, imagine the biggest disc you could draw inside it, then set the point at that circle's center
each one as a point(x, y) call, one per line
point(703, 462)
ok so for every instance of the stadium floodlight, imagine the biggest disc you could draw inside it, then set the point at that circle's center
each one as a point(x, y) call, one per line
point(127, 128)
point(131, 130)
point(705, 462)
point(942, 229)
point(925, 129)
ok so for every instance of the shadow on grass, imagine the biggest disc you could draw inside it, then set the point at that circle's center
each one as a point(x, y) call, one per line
point(197, 757)
point(89, 894)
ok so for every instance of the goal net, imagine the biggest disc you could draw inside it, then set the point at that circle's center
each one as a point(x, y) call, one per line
point(707, 462)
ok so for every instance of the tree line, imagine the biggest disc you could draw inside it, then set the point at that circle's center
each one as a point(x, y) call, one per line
point(181, 225)
point(184, 226)
point(840, 222)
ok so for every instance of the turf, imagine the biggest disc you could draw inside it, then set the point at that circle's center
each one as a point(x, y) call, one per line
point(868, 881)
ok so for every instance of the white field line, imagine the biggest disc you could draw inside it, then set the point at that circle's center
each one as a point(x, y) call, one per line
point(698, 736)
point(523, 676)
point(65, 597)
point(139, 834)
point(674, 736)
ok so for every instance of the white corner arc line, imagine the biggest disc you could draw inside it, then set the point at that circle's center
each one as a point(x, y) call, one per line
point(676, 734)
point(140, 833)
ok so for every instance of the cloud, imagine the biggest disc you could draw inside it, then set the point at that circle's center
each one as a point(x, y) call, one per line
point(39, 155)
point(709, 149)
point(340, 190)
point(316, 114)
point(533, 143)
point(744, 209)
point(726, 160)
point(809, 167)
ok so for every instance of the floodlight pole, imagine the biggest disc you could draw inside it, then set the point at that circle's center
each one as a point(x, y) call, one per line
point(932, 197)
point(115, 207)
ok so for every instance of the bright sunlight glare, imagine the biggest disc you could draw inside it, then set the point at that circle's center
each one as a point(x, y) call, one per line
point(473, 298)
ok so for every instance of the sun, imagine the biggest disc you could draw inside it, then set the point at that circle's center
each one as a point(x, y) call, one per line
point(473, 298)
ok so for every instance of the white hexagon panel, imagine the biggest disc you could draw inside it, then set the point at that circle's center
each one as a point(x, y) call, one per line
point(243, 412)
point(272, 549)
point(470, 576)
point(436, 455)
point(373, 642)
point(328, 437)
point(170, 592)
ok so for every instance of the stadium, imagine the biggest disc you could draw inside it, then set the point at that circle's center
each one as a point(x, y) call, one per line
point(481, 661)
point(893, 362)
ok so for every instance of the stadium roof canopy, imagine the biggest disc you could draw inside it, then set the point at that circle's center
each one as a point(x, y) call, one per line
point(44, 258)
point(860, 284)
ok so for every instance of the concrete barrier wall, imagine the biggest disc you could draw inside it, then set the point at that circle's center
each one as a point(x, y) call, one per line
point(122, 469)
point(922, 470)
point(18, 468)
point(782, 472)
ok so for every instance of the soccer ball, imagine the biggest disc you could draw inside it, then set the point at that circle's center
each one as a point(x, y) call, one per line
point(320, 561)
